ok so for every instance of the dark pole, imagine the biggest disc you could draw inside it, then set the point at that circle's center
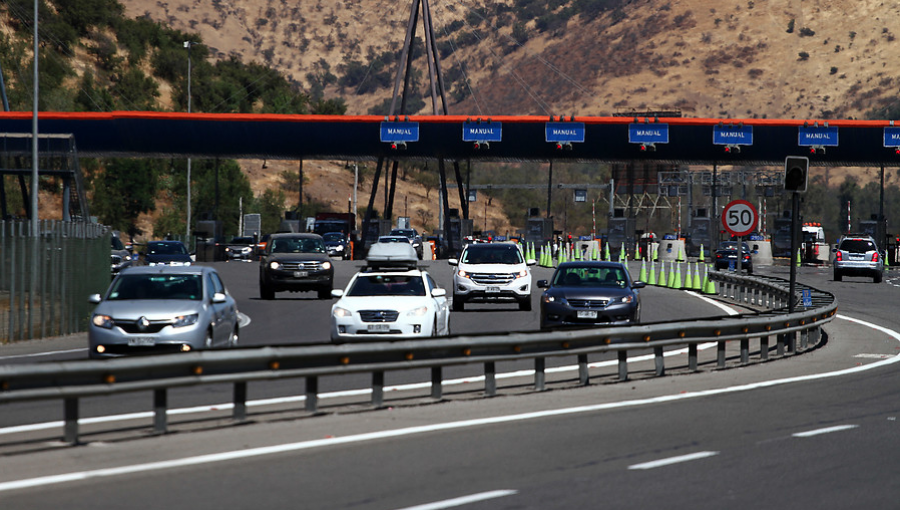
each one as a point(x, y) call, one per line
point(795, 245)
point(715, 204)
point(3, 91)
point(451, 242)
point(300, 194)
point(881, 230)
point(368, 217)
point(549, 188)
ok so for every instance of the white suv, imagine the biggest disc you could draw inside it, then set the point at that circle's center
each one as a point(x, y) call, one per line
point(492, 272)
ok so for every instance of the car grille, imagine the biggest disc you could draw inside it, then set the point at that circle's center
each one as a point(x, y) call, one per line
point(132, 326)
point(379, 315)
point(492, 278)
point(588, 303)
point(302, 266)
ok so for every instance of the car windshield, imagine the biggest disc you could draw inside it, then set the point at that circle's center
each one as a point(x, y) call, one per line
point(157, 286)
point(166, 249)
point(591, 277)
point(492, 254)
point(393, 239)
point(334, 236)
point(242, 240)
point(857, 245)
point(298, 245)
point(117, 244)
point(732, 245)
point(406, 232)
point(387, 285)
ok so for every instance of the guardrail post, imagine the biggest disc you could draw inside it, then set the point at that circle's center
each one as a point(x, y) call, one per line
point(160, 406)
point(437, 382)
point(240, 401)
point(792, 342)
point(745, 351)
point(623, 365)
point(720, 354)
point(660, 361)
point(692, 357)
point(781, 339)
point(377, 389)
point(312, 394)
point(764, 347)
point(804, 339)
point(490, 379)
point(539, 375)
point(70, 414)
point(584, 378)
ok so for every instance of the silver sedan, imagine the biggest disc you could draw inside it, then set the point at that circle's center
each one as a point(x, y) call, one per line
point(163, 309)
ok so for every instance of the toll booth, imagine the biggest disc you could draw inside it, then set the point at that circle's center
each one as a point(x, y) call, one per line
point(621, 231)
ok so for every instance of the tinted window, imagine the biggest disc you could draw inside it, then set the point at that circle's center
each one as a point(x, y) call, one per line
point(157, 286)
point(117, 244)
point(387, 285)
point(492, 254)
point(334, 236)
point(297, 245)
point(166, 249)
point(591, 277)
point(857, 245)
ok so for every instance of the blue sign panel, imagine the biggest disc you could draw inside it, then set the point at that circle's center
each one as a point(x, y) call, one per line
point(648, 133)
point(892, 137)
point(807, 298)
point(399, 132)
point(823, 136)
point(564, 132)
point(484, 132)
point(733, 135)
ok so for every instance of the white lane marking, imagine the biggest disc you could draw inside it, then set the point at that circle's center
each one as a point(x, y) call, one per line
point(464, 500)
point(319, 443)
point(729, 310)
point(49, 353)
point(873, 356)
point(826, 430)
point(673, 460)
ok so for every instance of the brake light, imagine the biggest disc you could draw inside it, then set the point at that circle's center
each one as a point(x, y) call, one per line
point(875, 257)
point(838, 256)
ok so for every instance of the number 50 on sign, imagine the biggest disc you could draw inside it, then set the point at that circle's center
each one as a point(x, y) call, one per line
point(739, 217)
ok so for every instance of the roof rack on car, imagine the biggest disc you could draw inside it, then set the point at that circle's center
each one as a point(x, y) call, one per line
point(392, 256)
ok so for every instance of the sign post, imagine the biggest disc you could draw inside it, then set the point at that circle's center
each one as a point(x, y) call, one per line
point(739, 217)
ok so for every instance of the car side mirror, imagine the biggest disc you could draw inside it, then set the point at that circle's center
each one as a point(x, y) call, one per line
point(94, 299)
point(453, 262)
point(219, 297)
point(336, 293)
point(438, 292)
point(834, 250)
point(638, 285)
point(543, 284)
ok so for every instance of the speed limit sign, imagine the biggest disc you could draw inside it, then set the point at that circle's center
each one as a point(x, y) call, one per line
point(739, 217)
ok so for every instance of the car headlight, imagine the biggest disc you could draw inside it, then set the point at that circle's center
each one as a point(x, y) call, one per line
point(339, 247)
point(548, 298)
point(126, 257)
point(102, 321)
point(186, 320)
point(227, 249)
point(626, 299)
point(245, 249)
point(462, 274)
point(274, 265)
point(341, 312)
point(417, 312)
point(326, 265)
point(523, 273)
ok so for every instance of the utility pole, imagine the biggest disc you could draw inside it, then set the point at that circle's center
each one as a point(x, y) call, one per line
point(187, 233)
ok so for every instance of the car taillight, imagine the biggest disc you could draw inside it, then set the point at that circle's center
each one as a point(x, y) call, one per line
point(838, 256)
point(875, 257)
point(718, 255)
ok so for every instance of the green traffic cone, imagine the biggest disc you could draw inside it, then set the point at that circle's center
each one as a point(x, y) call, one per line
point(655, 252)
point(643, 276)
point(678, 278)
point(637, 251)
point(697, 285)
point(662, 274)
point(701, 258)
point(652, 274)
point(709, 286)
point(606, 252)
point(622, 252)
point(798, 258)
point(680, 254)
point(671, 282)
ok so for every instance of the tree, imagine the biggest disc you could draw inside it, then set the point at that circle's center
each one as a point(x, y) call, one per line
point(232, 186)
point(123, 190)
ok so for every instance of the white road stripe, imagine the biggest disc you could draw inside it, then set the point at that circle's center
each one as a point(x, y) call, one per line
point(39, 354)
point(464, 500)
point(673, 460)
point(826, 430)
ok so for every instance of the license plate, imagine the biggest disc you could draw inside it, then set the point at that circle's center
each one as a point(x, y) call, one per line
point(492, 289)
point(857, 257)
point(587, 314)
point(378, 327)
point(301, 274)
point(142, 341)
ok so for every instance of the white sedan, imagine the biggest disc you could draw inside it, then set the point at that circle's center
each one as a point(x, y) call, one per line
point(390, 304)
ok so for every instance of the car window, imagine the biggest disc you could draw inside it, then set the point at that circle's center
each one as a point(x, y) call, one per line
point(334, 237)
point(117, 244)
point(857, 245)
point(217, 284)
point(297, 245)
point(613, 277)
point(166, 249)
point(156, 286)
point(387, 285)
point(431, 283)
point(492, 255)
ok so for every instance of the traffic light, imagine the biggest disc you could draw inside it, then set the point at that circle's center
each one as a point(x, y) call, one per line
point(796, 173)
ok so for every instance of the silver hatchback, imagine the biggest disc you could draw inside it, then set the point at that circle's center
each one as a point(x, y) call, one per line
point(161, 309)
point(857, 255)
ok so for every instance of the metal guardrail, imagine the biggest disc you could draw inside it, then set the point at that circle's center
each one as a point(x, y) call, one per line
point(73, 380)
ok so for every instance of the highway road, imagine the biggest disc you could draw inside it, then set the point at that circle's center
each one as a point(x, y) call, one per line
point(811, 430)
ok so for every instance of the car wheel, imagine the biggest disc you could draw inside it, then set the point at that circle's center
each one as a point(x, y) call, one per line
point(525, 304)
point(235, 337)
point(838, 276)
point(458, 304)
point(434, 331)
point(877, 278)
point(208, 341)
point(266, 292)
point(325, 293)
point(749, 270)
point(637, 315)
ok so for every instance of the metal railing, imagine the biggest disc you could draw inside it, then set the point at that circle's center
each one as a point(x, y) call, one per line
point(73, 380)
point(44, 278)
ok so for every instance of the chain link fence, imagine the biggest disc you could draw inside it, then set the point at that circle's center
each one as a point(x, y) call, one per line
point(45, 279)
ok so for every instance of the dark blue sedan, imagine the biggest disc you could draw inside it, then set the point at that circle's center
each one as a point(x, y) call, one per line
point(586, 293)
